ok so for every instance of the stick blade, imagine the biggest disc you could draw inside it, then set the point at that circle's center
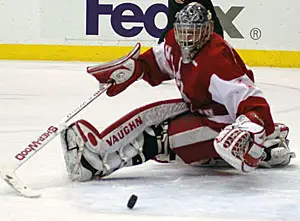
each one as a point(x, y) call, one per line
point(11, 178)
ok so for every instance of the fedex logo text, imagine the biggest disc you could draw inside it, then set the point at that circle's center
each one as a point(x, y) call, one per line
point(94, 9)
point(146, 19)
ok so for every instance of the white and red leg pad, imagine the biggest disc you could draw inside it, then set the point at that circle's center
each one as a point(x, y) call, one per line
point(78, 140)
point(134, 123)
point(89, 153)
point(84, 162)
point(241, 144)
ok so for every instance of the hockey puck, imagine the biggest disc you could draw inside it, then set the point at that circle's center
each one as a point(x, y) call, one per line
point(132, 201)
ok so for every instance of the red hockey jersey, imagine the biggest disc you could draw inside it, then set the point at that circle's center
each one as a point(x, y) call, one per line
point(216, 83)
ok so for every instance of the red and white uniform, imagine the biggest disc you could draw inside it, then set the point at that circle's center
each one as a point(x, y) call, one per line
point(217, 86)
point(221, 114)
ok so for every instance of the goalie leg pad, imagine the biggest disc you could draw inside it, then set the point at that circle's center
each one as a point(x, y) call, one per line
point(73, 148)
point(84, 163)
point(121, 144)
point(81, 143)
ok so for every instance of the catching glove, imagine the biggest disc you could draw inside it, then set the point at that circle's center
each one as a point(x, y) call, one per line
point(122, 72)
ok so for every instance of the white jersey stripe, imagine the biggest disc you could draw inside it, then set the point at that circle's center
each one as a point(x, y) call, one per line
point(224, 119)
point(192, 136)
point(161, 60)
point(232, 93)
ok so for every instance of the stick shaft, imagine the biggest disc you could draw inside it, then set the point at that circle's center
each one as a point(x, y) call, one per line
point(52, 131)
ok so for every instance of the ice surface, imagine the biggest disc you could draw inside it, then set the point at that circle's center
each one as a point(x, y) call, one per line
point(34, 95)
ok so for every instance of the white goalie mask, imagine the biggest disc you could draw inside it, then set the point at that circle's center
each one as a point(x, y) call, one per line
point(193, 28)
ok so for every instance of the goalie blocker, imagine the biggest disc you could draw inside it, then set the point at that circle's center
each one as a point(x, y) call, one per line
point(163, 131)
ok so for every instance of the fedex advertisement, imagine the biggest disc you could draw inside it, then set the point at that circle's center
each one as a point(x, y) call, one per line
point(142, 19)
point(247, 24)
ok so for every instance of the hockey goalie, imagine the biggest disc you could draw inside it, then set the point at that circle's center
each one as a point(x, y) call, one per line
point(222, 117)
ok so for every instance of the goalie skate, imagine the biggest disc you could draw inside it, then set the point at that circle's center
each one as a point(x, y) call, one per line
point(277, 151)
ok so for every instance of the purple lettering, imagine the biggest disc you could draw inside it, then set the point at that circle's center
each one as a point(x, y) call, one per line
point(94, 9)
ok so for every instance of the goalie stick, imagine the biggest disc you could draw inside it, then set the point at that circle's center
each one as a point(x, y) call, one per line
point(8, 173)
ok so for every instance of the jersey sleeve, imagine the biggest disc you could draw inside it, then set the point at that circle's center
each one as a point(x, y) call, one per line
point(241, 96)
point(155, 65)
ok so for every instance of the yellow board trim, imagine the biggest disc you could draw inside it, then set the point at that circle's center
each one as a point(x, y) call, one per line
point(268, 58)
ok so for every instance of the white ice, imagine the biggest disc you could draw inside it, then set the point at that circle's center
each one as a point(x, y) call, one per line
point(35, 95)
